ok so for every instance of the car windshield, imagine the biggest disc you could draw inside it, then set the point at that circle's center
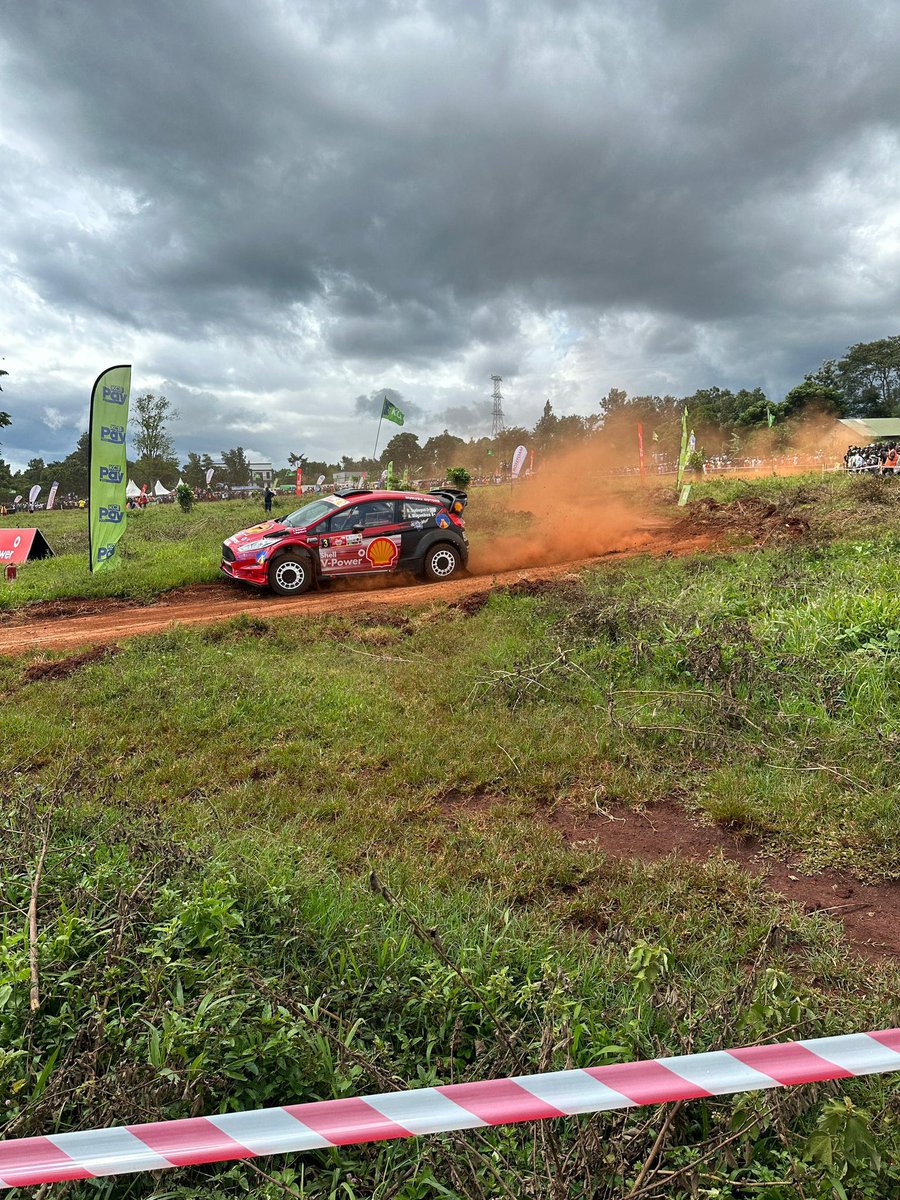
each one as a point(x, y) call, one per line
point(311, 512)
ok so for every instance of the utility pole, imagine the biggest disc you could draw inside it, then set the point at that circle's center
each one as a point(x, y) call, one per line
point(498, 425)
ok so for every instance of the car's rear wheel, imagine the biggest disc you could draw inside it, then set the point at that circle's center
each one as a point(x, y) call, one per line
point(441, 562)
point(291, 575)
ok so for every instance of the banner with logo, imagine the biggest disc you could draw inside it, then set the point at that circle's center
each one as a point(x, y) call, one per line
point(320, 481)
point(641, 448)
point(518, 461)
point(209, 475)
point(52, 497)
point(298, 483)
point(108, 467)
point(34, 493)
point(683, 452)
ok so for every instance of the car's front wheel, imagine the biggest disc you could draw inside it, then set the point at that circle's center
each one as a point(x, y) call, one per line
point(441, 562)
point(290, 575)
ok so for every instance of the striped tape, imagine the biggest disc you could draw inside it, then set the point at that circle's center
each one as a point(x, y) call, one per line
point(315, 1126)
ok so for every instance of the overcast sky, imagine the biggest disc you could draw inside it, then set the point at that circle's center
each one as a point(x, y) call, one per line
point(278, 210)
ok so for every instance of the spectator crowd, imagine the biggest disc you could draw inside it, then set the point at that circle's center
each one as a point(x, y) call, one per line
point(878, 458)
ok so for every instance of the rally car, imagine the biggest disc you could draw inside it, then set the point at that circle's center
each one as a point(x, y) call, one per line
point(356, 532)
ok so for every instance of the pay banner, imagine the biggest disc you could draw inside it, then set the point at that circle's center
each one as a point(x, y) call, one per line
point(108, 466)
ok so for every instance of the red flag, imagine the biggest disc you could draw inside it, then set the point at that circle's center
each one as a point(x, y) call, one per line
point(641, 448)
point(298, 486)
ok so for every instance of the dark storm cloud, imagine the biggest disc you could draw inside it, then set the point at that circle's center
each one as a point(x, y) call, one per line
point(370, 184)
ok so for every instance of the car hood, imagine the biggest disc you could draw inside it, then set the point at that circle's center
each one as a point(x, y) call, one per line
point(256, 533)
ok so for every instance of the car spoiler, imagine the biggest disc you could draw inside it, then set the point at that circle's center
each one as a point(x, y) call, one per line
point(451, 497)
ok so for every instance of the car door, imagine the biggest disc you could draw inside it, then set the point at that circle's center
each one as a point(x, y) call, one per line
point(417, 517)
point(360, 539)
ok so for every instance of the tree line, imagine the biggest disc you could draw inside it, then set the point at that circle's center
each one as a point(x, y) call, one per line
point(864, 383)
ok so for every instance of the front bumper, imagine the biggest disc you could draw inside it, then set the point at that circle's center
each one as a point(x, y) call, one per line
point(252, 572)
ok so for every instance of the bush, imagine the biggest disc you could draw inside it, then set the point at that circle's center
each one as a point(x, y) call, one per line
point(459, 477)
point(185, 497)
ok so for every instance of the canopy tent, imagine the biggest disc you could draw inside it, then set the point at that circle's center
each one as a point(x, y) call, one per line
point(180, 482)
point(873, 429)
point(159, 490)
point(132, 490)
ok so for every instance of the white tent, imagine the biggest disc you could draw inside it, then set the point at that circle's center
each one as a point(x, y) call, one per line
point(180, 482)
point(159, 490)
point(132, 489)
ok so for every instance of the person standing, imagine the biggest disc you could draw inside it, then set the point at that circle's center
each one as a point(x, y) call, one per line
point(267, 498)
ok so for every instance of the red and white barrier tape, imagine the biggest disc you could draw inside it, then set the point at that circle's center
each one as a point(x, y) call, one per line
point(295, 1127)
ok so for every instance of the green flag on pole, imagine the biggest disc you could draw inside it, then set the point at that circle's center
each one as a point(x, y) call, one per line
point(770, 417)
point(390, 412)
point(107, 467)
point(683, 455)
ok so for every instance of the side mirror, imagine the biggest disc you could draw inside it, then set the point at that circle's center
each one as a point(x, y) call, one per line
point(358, 528)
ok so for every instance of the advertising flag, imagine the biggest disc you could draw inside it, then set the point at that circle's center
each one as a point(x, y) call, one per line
point(320, 481)
point(390, 412)
point(209, 475)
point(683, 453)
point(770, 417)
point(518, 461)
point(641, 448)
point(34, 493)
point(298, 482)
point(51, 499)
point(108, 467)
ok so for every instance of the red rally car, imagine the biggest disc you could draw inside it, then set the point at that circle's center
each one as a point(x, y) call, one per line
point(356, 532)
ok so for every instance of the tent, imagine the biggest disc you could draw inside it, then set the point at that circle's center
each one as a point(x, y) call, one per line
point(180, 482)
point(132, 490)
point(159, 490)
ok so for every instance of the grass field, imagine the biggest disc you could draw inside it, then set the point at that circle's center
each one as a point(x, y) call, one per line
point(214, 804)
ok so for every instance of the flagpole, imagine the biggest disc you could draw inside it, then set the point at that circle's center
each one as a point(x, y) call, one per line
point(378, 434)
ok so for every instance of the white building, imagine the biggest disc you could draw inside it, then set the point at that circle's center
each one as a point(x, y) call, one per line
point(261, 470)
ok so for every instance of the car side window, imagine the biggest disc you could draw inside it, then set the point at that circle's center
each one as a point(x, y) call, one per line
point(342, 521)
point(375, 512)
point(370, 515)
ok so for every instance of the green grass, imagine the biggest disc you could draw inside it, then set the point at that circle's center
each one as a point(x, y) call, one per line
point(216, 800)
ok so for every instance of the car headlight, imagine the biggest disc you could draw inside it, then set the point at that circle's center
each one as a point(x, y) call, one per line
point(262, 544)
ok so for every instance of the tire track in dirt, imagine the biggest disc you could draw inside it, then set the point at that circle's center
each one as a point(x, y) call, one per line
point(866, 911)
point(92, 622)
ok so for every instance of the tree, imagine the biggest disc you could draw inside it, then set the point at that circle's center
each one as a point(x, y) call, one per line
point(5, 418)
point(71, 472)
point(153, 446)
point(810, 396)
point(236, 468)
point(459, 477)
point(870, 375)
point(195, 468)
point(404, 451)
point(439, 452)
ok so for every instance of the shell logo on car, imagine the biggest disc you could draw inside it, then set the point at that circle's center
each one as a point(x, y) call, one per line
point(382, 552)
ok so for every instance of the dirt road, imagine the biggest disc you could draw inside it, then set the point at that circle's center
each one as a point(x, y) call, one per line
point(71, 624)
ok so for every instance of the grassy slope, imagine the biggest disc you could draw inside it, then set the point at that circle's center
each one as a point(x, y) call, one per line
point(219, 797)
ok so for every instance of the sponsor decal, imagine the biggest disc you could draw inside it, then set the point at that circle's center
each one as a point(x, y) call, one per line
point(261, 557)
point(113, 433)
point(115, 395)
point(111, 513)
point(443, 521)
point(105, 553)
point(382, 552)
point(111, 474)
point(17, 542)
